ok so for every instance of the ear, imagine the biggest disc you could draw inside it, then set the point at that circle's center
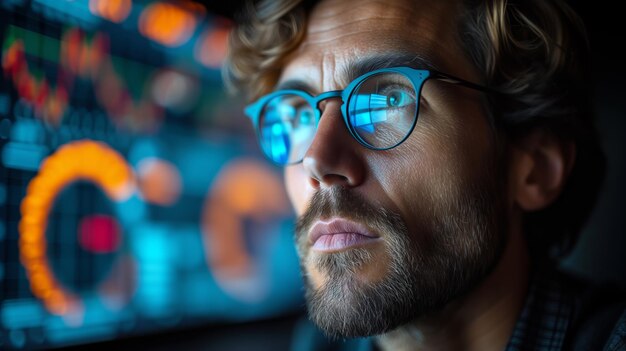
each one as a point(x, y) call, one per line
point(539, 168)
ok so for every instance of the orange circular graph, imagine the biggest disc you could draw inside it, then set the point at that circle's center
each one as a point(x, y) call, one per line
point(83, 160)
point(244, 188)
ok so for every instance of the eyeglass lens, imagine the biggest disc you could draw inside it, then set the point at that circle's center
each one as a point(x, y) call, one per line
point(381, 110)
point(381, 113)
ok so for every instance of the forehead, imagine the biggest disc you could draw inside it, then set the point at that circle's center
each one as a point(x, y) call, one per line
point(340, 32)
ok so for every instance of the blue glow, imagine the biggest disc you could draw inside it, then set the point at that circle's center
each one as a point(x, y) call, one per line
point(22, 156)
point(61, 334)
point(156, 276)
point(276, 143)
point(201, 296)
point(76, 9)
point(190, 248)
point(131, 211)
point(285, 268)
point(142, 149)
point(279, 142)
point(5, 128)
point(98, 323)
point(286, 111)
point(96, 313)
point(19, 314)
point(27, 131)
point(367, 110)
point(199, 162)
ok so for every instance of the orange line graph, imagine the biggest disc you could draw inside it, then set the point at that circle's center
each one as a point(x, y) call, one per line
point(81, 58)
point(49, 102)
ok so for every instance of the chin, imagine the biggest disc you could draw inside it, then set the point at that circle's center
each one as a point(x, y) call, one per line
point(365, 264)
point(353, 293)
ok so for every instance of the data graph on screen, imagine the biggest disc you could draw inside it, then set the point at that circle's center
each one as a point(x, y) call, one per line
point(133, 197)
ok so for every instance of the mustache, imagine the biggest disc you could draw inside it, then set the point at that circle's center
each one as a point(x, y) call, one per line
point(342, 202)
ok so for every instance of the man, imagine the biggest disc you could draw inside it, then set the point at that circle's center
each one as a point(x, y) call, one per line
point(441, 156)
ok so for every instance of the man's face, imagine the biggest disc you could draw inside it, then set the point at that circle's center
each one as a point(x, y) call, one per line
point(387, 236)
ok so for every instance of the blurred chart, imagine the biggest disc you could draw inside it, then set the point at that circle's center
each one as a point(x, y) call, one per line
point(133, 197)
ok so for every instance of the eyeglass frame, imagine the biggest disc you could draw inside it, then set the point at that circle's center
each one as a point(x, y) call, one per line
point(416, 76)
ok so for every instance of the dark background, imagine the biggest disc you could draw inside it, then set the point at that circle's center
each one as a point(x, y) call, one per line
point(600, 253)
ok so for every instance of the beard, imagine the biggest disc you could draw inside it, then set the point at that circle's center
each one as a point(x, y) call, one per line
point(447, 255)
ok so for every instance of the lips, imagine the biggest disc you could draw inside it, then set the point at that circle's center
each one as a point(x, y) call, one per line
point(339, 234)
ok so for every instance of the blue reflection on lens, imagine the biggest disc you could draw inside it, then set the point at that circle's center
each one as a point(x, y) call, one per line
point(280, 143)
point(276, 131)
point(366, 110)
point(276, 142)
point(284, 110)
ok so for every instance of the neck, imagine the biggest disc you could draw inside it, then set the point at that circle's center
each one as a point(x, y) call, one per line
point(481, 320)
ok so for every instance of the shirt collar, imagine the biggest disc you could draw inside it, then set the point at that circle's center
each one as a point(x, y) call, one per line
point(545, 317)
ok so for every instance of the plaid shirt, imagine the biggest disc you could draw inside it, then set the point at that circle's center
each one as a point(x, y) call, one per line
point(553, 318)
point(545, 319)
point(560, 313)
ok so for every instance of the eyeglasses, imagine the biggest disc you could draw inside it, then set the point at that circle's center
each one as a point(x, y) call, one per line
point(380, 109)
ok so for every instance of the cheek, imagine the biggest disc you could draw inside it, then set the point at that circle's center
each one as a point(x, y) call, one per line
point(298, 187)
point(443, 154)
point(426, 178)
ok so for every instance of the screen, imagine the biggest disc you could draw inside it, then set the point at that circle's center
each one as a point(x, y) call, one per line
point(134, 198)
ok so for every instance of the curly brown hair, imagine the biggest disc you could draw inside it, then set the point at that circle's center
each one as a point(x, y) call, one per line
point(534, 52)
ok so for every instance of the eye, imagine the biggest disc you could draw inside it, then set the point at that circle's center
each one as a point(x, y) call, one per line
point(397, 94)
point(398, 98)
point(305, 115)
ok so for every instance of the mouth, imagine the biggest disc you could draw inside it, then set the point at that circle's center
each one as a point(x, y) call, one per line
point(337, 234)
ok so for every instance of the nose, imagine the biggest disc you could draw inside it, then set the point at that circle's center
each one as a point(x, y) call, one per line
point(334, 158)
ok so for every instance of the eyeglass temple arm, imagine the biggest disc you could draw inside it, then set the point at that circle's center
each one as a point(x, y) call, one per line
point(458, 81)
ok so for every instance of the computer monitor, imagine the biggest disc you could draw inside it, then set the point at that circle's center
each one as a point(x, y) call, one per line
point(133, 197)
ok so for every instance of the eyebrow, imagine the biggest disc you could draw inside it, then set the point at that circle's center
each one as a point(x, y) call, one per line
point(294, 84)
point(360, 66)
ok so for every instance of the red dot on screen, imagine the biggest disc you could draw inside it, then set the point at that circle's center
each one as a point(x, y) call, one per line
point(99, 234)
